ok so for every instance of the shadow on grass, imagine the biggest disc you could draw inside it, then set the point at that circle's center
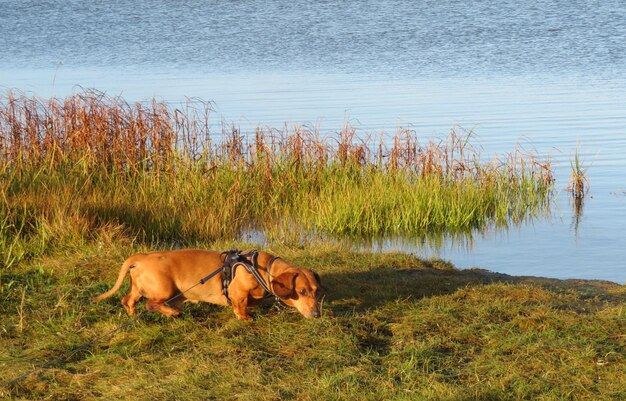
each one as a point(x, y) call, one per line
point(348, 292)
point(145, 226)
point(356, 292)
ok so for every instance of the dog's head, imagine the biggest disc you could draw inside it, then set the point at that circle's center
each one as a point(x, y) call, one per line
point(298, 287)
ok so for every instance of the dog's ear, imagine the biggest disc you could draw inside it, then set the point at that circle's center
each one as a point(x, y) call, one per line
point(284, 284)
point(317, 278)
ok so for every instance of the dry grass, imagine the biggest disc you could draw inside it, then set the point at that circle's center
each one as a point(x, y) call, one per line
point(76, 170)
point(97, 130)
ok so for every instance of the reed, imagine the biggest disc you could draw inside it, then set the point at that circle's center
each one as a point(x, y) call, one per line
point(579, 183)
point(82, 169)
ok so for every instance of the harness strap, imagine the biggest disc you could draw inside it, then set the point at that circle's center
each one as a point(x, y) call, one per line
point(269, 266)
point(249, 261)
point(252, 269)
point(229, 267)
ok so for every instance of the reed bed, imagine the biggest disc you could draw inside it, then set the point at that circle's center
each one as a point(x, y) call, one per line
point(89, 168)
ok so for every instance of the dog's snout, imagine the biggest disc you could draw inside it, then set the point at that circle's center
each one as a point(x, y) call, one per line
point(312, 313)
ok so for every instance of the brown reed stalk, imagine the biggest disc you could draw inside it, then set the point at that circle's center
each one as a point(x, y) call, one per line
point(107, 131)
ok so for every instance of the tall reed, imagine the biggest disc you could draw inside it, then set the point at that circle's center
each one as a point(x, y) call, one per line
point(88, 168)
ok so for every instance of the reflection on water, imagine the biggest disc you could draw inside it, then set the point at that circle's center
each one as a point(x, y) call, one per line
point(577, 213)
point(433, 242)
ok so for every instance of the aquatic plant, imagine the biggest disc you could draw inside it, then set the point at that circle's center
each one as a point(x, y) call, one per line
point(81, 169)
point(579, 183)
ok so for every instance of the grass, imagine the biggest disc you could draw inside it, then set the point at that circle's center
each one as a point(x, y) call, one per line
point(579, 183)
point(394, 328)
point(79, 170)
point(578, 188)
point(88, 180)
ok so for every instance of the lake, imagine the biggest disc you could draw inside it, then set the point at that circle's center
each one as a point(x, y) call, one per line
point(549, 76)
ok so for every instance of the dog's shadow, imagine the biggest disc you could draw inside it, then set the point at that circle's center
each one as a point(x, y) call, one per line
point(356, 291)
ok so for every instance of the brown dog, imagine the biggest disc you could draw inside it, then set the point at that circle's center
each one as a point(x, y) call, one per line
point(159, 276)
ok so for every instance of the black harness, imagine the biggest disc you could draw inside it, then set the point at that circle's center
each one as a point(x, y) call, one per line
point(233, 259)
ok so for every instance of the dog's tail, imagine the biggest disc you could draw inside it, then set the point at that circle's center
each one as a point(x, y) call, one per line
point(128, 264)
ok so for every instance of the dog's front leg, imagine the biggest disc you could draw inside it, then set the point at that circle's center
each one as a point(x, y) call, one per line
point(159, 306)
point(240, 306)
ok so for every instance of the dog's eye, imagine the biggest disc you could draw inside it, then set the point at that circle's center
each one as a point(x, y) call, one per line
point(303, 292)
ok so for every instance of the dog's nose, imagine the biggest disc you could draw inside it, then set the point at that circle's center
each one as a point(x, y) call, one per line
point(316, 313)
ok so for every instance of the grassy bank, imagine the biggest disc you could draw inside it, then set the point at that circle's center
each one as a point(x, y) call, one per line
point(87, 181)
point(79, 170)
point(394, 328)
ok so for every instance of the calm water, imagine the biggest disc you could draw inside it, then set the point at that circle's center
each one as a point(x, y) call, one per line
point(549, 75)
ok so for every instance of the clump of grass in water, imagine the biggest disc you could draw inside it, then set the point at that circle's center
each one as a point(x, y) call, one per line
point(75, 169)
point(578, 188)
point(579, 183)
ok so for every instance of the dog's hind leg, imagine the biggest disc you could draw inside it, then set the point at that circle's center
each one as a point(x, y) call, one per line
point(129, 302)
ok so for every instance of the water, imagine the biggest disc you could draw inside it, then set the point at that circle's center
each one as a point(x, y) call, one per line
point(550, 76)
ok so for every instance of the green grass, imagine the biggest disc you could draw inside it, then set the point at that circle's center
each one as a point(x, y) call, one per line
point(394, 328)
point(89, 180)
point(81, 170)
